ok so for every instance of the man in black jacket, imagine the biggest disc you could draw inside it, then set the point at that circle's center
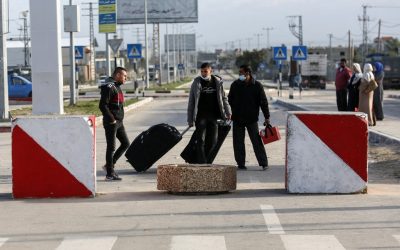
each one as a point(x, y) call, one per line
point(112, 107)
point(246, 97)
point(207, 104)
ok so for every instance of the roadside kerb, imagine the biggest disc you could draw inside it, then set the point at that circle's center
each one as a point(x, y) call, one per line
point(99, 119)
point(373, 137)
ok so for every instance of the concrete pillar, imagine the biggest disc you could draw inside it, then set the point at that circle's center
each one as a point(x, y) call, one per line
point(47, 93)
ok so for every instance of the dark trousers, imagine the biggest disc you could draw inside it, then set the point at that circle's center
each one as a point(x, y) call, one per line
point(377, 102)
point(113, 131)
point(239, 147)
point(207, 137)
point(341, 99)
point(353, 98)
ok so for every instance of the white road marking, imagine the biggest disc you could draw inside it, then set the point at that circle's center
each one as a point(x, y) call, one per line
point(311, 242)
point(87, 243)
point(2, 241)
point(194, 242)
point(397, 237)
point(271, 220)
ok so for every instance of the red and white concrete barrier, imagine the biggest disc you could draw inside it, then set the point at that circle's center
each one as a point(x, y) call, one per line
point(326, 152)
point(54, 156)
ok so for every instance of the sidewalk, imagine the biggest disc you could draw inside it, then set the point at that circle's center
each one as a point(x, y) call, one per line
point(385, 131)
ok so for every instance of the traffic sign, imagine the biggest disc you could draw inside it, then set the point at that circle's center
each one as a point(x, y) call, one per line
point(114, 44)
point(280, 53)
point(135, 50)
point(262, 66)
point(299, 53)
point(79, 52)
point(181, 66)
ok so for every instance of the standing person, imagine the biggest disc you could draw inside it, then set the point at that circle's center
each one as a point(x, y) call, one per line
point(343, 74)
point(365, 101)
point(246, 97)
point(378, 92)
point(112, 107)
point(353, 85)
point(207, 103)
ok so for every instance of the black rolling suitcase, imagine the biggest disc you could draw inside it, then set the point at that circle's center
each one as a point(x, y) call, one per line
point(151, 145)
point(189, 153)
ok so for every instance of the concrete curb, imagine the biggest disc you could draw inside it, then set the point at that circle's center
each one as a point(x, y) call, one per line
point(373, 136)
point(394, 96)
point(99, 119)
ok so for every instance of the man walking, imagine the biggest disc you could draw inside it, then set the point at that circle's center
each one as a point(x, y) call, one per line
point(246, 97)
point(343, 74)
point(207, 103)
point(112, 107)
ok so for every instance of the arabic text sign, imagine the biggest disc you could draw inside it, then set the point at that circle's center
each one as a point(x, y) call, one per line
point(107, 16)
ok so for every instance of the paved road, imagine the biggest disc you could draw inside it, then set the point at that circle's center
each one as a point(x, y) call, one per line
point(132, 214)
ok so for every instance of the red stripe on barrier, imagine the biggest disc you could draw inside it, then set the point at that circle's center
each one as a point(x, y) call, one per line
point(345, 135)
point(38, 174)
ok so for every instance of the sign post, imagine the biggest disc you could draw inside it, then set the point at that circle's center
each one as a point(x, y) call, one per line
point(279, 53)
point(114, 44)
point(299, 53)
point(107, 24)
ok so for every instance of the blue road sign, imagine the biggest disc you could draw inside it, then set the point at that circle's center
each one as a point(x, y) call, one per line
point(79, 52)
point(135, 50)
point(181, 66)
point(299, 53)
point(280, 53)
point(262, 66)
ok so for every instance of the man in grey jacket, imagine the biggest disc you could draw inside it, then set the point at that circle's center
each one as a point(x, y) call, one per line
point(207, 104)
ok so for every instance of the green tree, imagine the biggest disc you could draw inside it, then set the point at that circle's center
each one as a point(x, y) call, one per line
point(252, 58)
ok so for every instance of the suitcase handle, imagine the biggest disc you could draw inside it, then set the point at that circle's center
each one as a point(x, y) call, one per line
point(184, 131)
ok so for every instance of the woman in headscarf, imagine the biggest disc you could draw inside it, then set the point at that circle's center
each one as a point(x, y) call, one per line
point(365, 99)
point(354, 83)
point(378, 92)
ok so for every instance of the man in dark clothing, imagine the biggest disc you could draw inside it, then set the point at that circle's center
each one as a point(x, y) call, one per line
point(343, 74)
point(207, 104)
point(112, 107)
point(246, 97)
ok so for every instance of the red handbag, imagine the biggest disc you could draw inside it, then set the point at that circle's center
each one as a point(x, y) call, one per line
point(270, 134)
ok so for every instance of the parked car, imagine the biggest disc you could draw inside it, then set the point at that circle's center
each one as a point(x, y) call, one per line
point(18, 86)
point(102, 80)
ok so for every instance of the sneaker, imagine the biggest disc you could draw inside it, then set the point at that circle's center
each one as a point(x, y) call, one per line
point(104, 167)
point(113, 177)
point(264, 168)
point(242, 168)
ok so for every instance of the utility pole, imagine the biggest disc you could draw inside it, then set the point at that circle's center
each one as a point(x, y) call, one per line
point(146, 54)
point(248, 43)
point(365, 20)
point(26, 38)
point(349, 48)
point(379, 36)
point(330, 46)
point(92, 55)
point(268, 29)
point(167, 46)
point(258, 40)
point(4, 108)
point(72, 86)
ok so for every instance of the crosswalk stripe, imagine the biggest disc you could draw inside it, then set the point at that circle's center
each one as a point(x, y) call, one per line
point(271, 220)
point(194, 242)
point(87, 243)
point(397, 237)
point(310, 242)
point(2, 241)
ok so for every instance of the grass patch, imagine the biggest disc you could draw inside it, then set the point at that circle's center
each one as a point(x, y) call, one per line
point(171, 86)
point(83, 107)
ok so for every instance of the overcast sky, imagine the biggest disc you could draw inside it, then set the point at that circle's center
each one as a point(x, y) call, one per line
point(239, 21)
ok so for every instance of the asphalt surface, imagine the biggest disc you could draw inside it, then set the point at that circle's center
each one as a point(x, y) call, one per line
point(132, 214)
